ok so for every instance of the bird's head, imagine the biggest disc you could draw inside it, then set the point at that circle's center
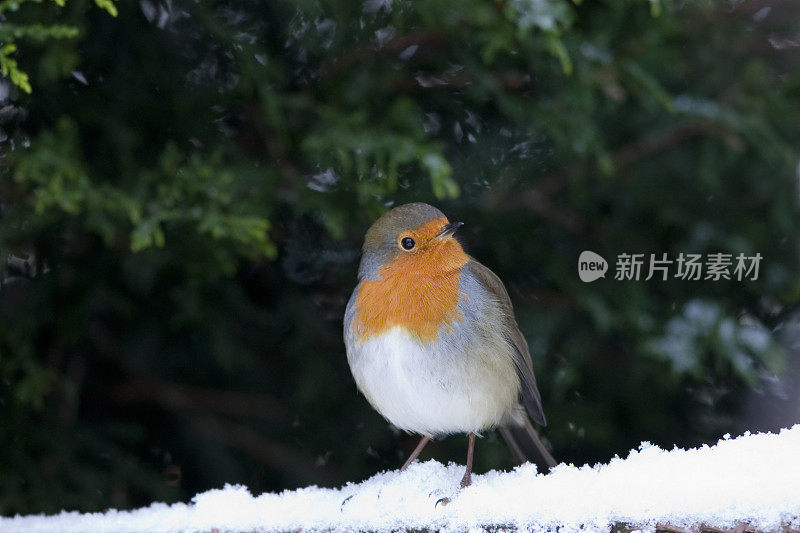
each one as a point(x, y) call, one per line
point(416, 239)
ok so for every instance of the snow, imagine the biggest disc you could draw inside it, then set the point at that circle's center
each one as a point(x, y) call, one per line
point(753, 479)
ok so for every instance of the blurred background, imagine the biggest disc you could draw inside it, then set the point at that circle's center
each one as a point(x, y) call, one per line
point(185, 186)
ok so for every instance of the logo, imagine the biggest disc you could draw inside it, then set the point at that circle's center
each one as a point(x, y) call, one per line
point(591, 266)
point(714, 266)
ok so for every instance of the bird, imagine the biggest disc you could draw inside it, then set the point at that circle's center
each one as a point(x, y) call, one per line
point(432, 342)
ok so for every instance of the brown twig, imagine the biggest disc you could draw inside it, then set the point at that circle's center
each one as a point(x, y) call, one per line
point(397, 44)
point(660, 141)
point(740, 527)
point(192, 398)
point(211, 405)
point(510, 80)
point(268, 452)
point(538, 198)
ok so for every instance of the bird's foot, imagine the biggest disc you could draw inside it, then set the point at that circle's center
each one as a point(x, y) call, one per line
point(341, 507)
point(466, 481)
point(442, 501)
point(357, 493)
point(443, 497)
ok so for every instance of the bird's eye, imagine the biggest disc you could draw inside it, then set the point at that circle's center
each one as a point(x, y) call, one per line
point(407, 243)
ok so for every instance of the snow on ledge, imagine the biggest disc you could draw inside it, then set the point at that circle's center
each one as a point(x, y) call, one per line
point(753, 479)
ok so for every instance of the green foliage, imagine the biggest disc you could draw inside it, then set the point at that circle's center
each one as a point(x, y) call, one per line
point(183, 199)
point(8, 67)
point(11, 32)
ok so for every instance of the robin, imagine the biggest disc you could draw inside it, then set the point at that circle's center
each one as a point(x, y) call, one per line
point(432, 341)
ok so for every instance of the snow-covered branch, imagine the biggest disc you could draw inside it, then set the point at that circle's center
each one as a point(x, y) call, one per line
point(751, 483)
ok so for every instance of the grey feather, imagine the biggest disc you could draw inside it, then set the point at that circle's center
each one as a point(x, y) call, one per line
point(526, 445)
point(521, 355)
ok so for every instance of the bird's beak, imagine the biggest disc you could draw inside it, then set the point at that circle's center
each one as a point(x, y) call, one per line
point(448, 230)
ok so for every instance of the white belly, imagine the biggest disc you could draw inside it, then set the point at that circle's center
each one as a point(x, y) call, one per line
point(433, 388)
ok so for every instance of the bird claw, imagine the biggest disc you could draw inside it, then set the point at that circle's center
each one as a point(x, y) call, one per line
point(341, 507)
point(441, 498)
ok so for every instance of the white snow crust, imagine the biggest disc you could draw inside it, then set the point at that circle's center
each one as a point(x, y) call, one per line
point(753, 479)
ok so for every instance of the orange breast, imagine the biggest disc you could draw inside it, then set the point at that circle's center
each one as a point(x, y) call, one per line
point(418, 292)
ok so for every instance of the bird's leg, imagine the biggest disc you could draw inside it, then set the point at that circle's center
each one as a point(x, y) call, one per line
point(466, 481)
point(416, 452)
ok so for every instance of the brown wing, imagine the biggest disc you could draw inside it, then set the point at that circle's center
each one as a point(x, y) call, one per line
point(521, 355)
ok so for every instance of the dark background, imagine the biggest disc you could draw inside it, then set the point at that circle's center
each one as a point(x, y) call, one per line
point(184, 193)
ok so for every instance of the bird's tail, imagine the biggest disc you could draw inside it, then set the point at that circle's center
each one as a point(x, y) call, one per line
point(525, 444)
